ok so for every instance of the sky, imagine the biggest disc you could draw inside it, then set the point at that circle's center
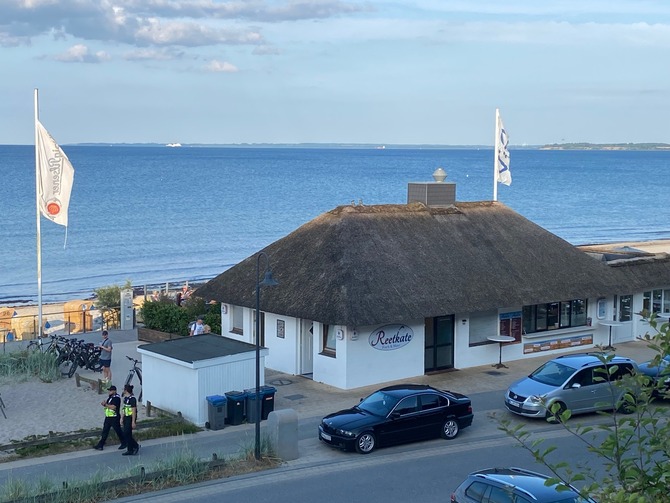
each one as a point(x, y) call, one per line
point(335, 71)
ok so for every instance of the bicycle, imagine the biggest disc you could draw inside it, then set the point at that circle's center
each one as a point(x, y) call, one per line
point(53, 346)
point(136, 369)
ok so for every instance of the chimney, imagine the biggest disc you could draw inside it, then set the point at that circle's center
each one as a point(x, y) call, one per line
point(437, 194)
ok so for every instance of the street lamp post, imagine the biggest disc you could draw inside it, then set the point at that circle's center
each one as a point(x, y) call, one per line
point(268, 280)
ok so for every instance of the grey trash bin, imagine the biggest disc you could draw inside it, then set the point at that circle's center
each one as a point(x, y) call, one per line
point(216, 412)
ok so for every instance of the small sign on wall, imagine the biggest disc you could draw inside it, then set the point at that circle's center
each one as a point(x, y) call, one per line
point(565, 343)
point(281, 329)
point(510, 325)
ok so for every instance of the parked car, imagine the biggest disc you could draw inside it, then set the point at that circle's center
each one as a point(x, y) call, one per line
point(656, 372)
point(397, 414)
point(513, 485)
point(577, 382)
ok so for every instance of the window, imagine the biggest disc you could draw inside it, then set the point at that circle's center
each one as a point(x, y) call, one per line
point(656, 301)
point(329, 340)
point(238, 322)
point(554, 315)
point(625, 307)
point(429, 402)
point(476, 491)
point(483, 325)
point(407, 406)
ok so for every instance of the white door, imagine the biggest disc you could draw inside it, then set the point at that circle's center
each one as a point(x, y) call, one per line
point(306, 347)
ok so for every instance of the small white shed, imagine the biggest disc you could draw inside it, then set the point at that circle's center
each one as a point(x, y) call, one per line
point(178, 375)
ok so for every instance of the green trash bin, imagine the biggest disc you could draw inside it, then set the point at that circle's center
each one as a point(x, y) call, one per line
point(216, 412)
point(235, 407)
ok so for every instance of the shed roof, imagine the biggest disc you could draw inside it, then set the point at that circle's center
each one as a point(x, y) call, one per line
point(362, 265)
point(198, 348)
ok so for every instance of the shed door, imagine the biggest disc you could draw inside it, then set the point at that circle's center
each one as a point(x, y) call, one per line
point(439, 352)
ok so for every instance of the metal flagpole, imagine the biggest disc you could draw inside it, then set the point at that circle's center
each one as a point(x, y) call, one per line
point(39, 232)
point(496, 146)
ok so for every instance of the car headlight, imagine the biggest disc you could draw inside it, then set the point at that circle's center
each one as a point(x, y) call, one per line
point(535, 399)
point(345, 433)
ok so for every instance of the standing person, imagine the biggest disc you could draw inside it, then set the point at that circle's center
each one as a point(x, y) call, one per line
point(106, 356)
point(129, 411)
point(198, 328)
point(112, 419)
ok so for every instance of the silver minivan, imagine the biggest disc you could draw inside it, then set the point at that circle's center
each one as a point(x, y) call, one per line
point(577, 382)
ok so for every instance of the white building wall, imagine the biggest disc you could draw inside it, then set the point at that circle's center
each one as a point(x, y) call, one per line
point(176, 386)
point(365, 365)
point(284, 351)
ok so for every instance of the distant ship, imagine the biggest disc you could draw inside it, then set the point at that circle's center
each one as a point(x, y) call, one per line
point(173, 145)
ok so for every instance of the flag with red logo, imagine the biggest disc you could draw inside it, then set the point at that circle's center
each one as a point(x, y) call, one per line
point(55, 177)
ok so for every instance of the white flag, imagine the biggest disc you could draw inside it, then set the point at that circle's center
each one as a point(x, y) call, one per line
point(502, 155)
point(55, 177)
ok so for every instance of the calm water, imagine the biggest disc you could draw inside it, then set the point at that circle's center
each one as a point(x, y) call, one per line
point(157, 214)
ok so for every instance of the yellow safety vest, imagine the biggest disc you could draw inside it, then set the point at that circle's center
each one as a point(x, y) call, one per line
point(109, 412)
point(127, 410)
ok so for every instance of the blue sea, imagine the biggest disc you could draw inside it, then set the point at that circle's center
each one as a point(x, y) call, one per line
point(154, 214)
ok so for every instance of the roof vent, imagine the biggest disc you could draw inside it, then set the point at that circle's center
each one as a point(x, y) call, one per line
point(437, 194)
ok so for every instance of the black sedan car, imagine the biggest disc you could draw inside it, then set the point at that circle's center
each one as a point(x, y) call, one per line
point(397, 414)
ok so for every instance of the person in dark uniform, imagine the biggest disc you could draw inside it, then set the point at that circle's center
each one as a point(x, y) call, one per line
point(129, 411)
point(112, 408)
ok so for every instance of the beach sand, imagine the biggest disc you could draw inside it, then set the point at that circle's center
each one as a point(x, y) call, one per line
point(37, 408)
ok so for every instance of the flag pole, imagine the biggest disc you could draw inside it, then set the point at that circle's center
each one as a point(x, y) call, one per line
point(496, 147)
point(39, 232)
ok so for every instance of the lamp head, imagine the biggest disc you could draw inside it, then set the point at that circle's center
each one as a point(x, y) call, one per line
point(268, 280)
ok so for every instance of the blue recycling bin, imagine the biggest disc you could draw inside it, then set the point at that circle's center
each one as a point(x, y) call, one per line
point(235, 407)
point(216, 412)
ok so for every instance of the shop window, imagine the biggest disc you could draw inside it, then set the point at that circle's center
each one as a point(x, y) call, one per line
point(625, 307)
point(554, 315)
point(329, 340)
point(656, 301)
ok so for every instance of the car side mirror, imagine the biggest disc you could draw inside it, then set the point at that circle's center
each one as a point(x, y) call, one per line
point(395, 415)
point(576, 385)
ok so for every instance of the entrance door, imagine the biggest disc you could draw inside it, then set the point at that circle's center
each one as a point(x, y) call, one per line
point(306, 347)
point(439, 352)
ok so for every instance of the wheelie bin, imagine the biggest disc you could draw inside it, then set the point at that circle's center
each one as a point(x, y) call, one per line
point(235, 407)
point(216, 412)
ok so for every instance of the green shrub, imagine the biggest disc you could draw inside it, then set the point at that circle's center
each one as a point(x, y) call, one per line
point(166, 316)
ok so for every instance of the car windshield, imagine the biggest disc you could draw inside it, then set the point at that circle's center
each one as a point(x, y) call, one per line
point(379, 403)
point(552, 373)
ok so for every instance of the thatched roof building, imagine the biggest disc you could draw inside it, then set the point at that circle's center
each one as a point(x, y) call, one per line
point(364, 265)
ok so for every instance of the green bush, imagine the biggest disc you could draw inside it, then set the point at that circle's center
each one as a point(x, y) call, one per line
point(166, 316)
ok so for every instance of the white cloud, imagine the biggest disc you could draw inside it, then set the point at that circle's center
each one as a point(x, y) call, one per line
point(150, 54)
point(80, 54)
point(216, 66)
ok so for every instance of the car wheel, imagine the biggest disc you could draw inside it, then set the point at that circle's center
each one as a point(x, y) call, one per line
point(554, 412)
point(450, 429)
point(366, 442)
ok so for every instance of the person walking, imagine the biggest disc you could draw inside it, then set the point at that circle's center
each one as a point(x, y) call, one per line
point(106, 356)
point(198, 328)
point(112, 419)
point(129, 411)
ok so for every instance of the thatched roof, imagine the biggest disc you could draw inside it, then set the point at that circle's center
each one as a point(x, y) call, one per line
point(364, 265)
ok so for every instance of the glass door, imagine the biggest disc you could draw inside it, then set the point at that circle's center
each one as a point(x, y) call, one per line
point(439, 350)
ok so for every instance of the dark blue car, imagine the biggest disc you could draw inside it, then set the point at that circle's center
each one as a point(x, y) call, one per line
point(397, 414)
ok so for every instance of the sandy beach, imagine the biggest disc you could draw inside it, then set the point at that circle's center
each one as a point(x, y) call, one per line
point(37, 408)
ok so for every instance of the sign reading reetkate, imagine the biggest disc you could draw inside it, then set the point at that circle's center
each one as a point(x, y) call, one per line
point(390, 337)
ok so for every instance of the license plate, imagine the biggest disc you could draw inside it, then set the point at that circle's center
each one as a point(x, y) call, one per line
point(325, 436)
point(514, 403)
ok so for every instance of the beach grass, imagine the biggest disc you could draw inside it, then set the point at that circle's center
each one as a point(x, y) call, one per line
point(24, 365)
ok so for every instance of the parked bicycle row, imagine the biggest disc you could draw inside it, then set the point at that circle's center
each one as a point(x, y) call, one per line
point(70, 353)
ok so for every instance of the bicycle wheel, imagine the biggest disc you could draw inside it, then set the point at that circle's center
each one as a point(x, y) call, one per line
point(129, 379)
point(138, 371)
point(33, 347)
point(73, 368)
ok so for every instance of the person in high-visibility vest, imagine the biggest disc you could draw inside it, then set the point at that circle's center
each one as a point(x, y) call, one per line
point(129, 412)
point(112, 408)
